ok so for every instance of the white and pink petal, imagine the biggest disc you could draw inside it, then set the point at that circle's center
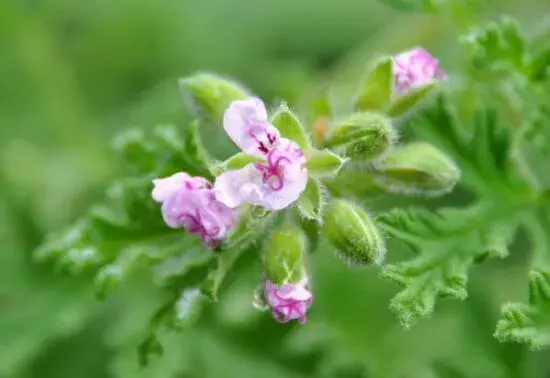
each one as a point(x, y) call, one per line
point(246, 122)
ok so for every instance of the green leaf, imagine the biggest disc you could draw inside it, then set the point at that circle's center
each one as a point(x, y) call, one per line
point(311, 202)
point(530, 323)
point(407, 101)
point(448, 243)
point(188, 266)
point(290, 127)
point(324, 163)
point(164, 151)
point(533, 150)
point(377, 87)
point(131, 258)
point(126, 230)
point(484, 155)
point(497, 45)
point(224, 263)
point(179, 311)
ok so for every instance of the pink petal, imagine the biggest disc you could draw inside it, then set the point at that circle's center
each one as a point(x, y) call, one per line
point(164, 188)
point(233, 188)
point(190, 203)
point(282, 189)
point(288, 301)
point(246, 122)
point(415, 67)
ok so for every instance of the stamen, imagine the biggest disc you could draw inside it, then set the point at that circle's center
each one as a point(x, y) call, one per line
point(272, 173)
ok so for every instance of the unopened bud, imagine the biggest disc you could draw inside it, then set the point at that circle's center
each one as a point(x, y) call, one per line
point(284, 259)
point(209, 95)
point(362, 136)
point(354, 234)
point(417, 168)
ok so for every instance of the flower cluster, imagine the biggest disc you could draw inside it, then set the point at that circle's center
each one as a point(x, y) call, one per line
point(274, 183)
point(275, 178)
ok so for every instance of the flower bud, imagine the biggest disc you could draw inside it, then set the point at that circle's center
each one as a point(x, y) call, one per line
point(209, 95)
point(362, 136)
point(288, 301)
point(354, 234)
point(285, 250)
point(417, 168)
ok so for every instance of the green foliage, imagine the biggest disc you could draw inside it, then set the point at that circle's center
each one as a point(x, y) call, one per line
point(61, 105)
point(499, 45)
point(448, 243)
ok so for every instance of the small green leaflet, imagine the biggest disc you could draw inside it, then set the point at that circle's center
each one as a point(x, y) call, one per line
point(530, 323)
point(483, 155)
point(497, 45)
point(448, 243)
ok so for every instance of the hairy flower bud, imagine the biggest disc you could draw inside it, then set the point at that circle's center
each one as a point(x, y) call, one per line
point(362, 136)
point(353, 233)
point(209, 95)
point(417, 168)
point(284, 259)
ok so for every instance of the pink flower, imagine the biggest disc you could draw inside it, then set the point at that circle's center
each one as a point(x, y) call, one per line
point(288, 301)
point(189, 202)
point(274, 183)
point(415, 68)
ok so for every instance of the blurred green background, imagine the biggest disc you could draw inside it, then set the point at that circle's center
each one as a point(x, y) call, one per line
point(74, 73)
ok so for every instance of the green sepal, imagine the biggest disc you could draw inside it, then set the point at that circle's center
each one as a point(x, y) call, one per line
point(208, 95)
point(290, 127)
point(324, 163)
point(311, 202)
point(377, 87)
point(406, 102)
